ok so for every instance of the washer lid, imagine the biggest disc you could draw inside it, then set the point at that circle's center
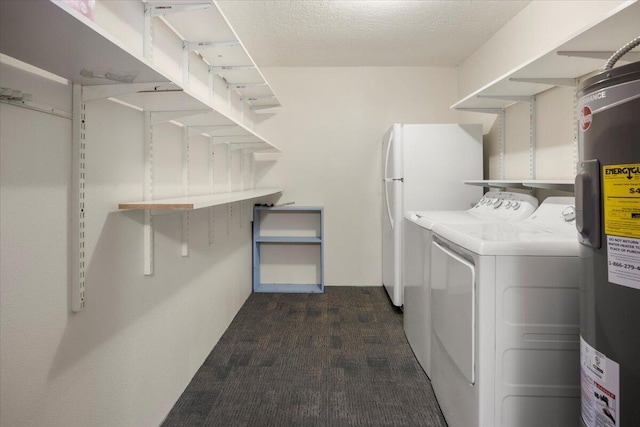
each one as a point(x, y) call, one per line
point(427, 219)
point(494, 206)
point(550, 231)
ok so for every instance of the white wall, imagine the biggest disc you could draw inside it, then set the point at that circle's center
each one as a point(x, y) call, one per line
point(330, 131)
point(126, 358)
point(555, 139)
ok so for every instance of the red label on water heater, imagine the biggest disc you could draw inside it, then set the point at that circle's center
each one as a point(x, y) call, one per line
point(586, 117)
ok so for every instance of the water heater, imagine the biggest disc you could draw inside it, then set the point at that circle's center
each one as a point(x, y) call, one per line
point(608, 222)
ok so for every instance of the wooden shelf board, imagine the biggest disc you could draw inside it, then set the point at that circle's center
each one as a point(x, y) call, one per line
point(198, 202)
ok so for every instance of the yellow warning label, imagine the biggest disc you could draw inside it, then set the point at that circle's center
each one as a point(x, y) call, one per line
point(622, 200)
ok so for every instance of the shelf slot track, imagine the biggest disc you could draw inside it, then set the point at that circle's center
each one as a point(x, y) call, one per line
point(185, 190)
point(148, 195)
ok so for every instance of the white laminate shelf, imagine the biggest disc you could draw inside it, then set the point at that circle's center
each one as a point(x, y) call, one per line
point(58, 39)
point(213, 38)
point(496, 183)
point(197, 202)
point(54, 37)
point(557, 185)
point(224, 130)
point(609, 34)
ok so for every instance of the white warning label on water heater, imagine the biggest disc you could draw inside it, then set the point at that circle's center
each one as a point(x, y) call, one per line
point(623, 259)
point(600, 386)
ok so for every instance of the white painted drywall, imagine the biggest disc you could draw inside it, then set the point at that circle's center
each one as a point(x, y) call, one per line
point(516, 148)
point(555, 148)
point(330, 131)
point(126, 358)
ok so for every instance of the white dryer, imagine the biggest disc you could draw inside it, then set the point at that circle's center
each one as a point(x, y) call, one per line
point(495, 206)
point(505, 342)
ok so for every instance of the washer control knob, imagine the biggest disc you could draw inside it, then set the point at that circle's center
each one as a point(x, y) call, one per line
point(508, 204)
point(515, 206)
point(569, 213)
point(497, 203)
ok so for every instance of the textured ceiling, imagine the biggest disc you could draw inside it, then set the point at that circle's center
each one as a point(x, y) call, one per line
point(329, 33)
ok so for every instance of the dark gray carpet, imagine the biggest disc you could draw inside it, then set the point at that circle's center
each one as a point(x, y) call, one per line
point(335, 359)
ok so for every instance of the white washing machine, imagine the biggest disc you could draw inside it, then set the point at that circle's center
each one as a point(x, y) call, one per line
point(505, 342)
point(495, 206)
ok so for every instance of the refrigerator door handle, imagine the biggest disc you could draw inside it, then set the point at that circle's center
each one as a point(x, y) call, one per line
point(386, 159)
point(386, 180)
point(386, 197)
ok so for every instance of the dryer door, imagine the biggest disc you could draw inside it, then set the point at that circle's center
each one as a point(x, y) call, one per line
point(453, 302)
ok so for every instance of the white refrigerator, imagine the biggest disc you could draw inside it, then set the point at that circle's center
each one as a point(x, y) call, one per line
point(424, 166)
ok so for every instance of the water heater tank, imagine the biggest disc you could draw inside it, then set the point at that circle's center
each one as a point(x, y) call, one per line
point(608, 222)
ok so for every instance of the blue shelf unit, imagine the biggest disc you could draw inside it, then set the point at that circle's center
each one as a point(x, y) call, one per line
point(314, 214)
